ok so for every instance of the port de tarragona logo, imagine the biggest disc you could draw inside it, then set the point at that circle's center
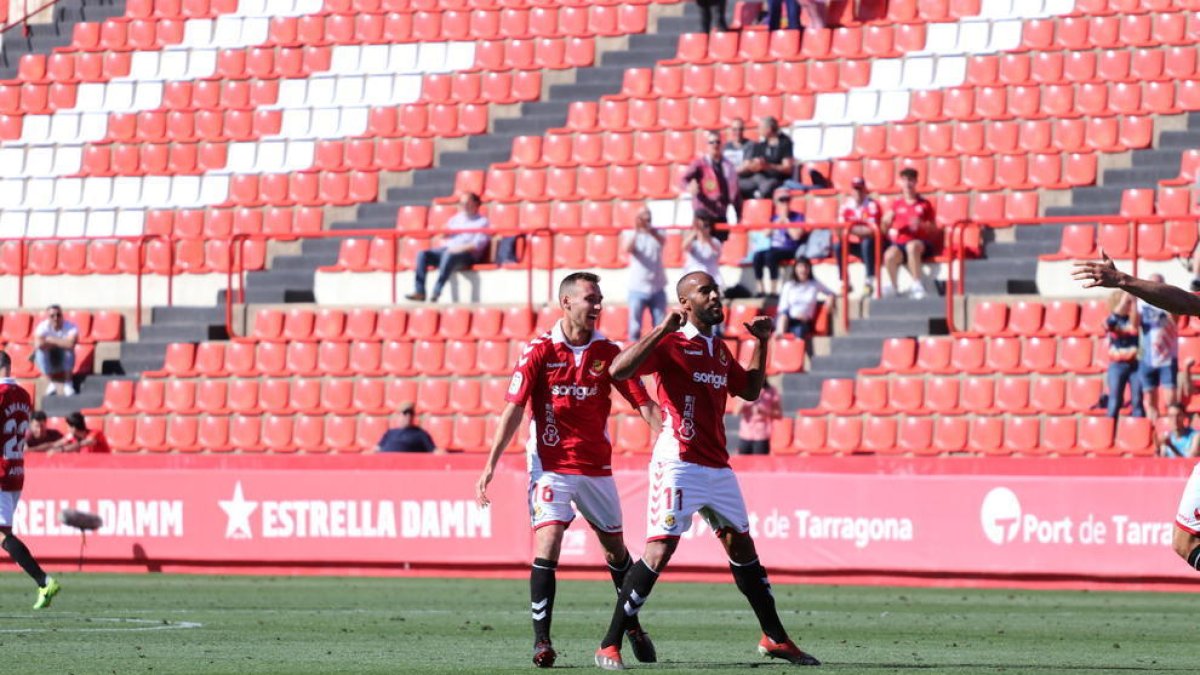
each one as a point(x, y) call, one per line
point(1000, 515)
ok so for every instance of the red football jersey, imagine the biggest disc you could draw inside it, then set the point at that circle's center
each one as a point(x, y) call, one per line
point(906, 223)
point(15, 408)
point(571, 392)
point(695, 375)
point(868, 212)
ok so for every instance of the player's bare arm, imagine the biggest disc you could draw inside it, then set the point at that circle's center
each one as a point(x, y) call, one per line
point(510, 420)
point(1104, 273)
point(631, 358)
point(761, 328)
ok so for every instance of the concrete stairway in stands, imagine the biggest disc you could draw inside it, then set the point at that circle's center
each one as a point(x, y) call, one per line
point(291, 278)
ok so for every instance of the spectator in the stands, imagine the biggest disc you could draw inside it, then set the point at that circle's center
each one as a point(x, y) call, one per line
point(768, 163)
point(647, 278)
point(701, 249)
point(775, 10)
point(1158, 368)
point(40, 437)
point(1181, 440)
point(54, 353)
point(817, 11)
point(911, 227)
point(81, 439)
point(861, 210)
point(784, 240)
point(738, 145)
point(712, 181)
point(712, 15)
point(1122, 333)
point(799, 300)
point(457, 251)
point(756, 420)
point(408, 437)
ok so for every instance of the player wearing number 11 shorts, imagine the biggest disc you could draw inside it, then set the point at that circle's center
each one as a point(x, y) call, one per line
point(690, 470)
point(563, 375)
point(15, 408)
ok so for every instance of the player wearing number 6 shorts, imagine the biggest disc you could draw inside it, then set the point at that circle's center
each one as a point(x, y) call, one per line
point(690, 472)
point(15, 409)
point(563, 376)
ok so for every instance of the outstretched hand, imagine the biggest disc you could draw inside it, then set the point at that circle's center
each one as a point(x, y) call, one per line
point(760, 327)
point(1098, 273)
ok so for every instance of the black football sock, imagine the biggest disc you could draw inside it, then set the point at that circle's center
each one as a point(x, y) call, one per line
point(618, 572)
point(20, 554)
point(1194, 558)
point(639, 581)
point(541, 593)
point(752, 581)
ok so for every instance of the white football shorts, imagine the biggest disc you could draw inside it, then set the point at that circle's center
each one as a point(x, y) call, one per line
point(8, 506)
point(1188, 516)
point(679, 489)
point(551, 495)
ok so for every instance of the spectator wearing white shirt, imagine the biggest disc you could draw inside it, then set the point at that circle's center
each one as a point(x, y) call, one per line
point(798, 301)
point(647, 278)
point(702, 250)
point(458, 251)
point(54, 340)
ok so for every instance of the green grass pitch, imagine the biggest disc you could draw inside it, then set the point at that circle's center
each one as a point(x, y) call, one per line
point(245, 624)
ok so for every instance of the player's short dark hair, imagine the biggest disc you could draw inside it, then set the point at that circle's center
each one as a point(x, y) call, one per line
point(75, 421)
point(38, 416)
point(568, 283)
point(909, 173)
point(5, 360)
point(689, 275)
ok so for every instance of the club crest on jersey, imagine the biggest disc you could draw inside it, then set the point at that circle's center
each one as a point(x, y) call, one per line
point(723, 357)
point(597, 366)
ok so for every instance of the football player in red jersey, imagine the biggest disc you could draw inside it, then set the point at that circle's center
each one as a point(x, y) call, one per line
point(564, 375)
point(15, 409)
point(690, 471)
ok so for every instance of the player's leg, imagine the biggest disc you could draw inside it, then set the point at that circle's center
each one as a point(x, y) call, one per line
point(547, 544)
point(550, 513)
point(673, 498)
point(20, 554)
point(726, 513)
point(599, 502)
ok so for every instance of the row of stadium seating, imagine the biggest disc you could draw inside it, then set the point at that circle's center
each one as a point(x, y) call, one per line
point(406, 358)
point(920, 435)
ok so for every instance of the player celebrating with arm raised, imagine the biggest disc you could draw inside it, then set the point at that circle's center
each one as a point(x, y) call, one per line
point(1175, 300)
point(690, 470)
point(565, 374)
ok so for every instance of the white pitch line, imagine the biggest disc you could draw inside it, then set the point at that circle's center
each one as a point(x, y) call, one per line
point(142, 625)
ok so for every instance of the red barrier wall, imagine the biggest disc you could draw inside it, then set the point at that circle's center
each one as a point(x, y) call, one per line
point(943, 518)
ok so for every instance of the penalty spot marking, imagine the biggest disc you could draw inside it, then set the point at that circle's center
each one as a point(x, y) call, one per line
point(116, 624)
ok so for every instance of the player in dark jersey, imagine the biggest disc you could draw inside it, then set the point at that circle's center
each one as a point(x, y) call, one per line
point(15, 409)
point(564, 375)
point(690, 471)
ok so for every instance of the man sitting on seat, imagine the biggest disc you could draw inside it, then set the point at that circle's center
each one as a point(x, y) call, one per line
point(458, 251)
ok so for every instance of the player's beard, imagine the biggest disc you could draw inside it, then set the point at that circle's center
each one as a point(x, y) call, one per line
point(713, 316)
